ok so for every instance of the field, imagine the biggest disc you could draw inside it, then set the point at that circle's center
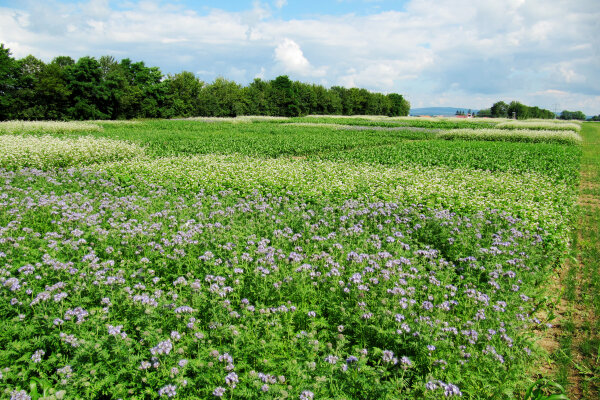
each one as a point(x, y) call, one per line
point(316, 257)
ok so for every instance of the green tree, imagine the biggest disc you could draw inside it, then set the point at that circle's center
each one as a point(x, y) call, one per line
point(53, 92)
point(183, 94)
point(89, 98)
point(8, 74)
point(307, 98)
point(143, 92)
point(25, 101)
point(222, 98)
point(255, 97)
point(486, 112)
point(568, 115)
point(282, 98)
point(400, 106)
point(499, 110)
point(517, 109)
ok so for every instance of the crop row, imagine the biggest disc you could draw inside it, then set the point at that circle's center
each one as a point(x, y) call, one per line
point(168, 138)
point(20, 127)
point(534, 197)
point(557, 125)
point(557, 161)
point(45, 152)
point(568, 137)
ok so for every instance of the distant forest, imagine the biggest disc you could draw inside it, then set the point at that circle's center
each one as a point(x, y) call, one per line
point(105, 88)
point(501, 109)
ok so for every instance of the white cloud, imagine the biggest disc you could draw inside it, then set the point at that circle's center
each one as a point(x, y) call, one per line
point(289, 54)
point(280, 3)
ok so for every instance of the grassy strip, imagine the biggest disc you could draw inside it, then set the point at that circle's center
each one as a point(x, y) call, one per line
point(514, 135)
point(578, 357)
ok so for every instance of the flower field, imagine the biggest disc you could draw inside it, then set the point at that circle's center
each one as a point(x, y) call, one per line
point(200, 259)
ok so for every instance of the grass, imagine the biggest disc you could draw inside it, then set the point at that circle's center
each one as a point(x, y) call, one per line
point(579, 357)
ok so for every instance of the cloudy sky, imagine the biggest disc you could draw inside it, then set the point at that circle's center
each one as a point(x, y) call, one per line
point(454, 53)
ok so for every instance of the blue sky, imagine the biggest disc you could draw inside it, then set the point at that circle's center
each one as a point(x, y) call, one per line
point(456, 53)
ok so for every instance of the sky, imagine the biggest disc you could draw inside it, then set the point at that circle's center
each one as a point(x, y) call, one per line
point(454, 53)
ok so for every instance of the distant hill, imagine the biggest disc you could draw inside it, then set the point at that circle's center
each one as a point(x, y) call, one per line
point(446, 111)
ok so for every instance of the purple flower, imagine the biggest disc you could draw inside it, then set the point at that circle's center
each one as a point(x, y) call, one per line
point(388, 356)
point(37, 356)
point(164, 347)
point(19, 395)
point(168, 390)
point(307, 395)
point(219, 391)
point(232, 379)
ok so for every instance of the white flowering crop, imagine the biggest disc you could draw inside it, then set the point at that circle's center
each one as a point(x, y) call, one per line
point(20, 127)
point(514, 135)
point(48, 152)
point(545, 125)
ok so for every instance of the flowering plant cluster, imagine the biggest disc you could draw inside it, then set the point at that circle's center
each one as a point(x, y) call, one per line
point(51, 152)
point(552, 125)
point(58, 127)
point(561, 136)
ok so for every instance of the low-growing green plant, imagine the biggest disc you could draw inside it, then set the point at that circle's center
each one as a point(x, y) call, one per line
point(544, 389)
point(535, 197)
point(554, 160)
point(168, 138)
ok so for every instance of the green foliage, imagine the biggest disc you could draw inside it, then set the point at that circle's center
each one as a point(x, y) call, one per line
point(519, 111)
point(166, 138)
point(364, 266)
point(395, 123)
point(109, 89)
point(518, 134)
point(557, 161)
point(568, 115)
point(545, 390)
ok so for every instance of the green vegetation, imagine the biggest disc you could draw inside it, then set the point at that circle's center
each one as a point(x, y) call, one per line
point(431, 123)
point(47, 152)
point(577, 358)
point(555, 160)
point(554, 125)
point(252, 258)
point(518, 110)
point(507, 134)
point(568, 115)
point(105, 88)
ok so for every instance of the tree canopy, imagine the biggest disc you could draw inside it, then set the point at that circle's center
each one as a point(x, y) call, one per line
point(105, 88)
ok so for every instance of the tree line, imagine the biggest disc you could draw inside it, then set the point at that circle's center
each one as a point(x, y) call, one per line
point(518, 110)
point(105, 88)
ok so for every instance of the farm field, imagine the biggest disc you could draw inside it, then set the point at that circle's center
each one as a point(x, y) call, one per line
point(300, 258)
